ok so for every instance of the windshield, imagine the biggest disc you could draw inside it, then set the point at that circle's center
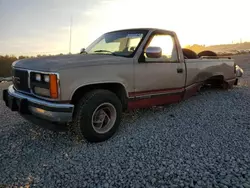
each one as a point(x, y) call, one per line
point(119, 43)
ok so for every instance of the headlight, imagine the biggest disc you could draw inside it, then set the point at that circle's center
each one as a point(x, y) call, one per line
point(46, 78)
point(45, 85)
point(42, 91)
point(38, 77)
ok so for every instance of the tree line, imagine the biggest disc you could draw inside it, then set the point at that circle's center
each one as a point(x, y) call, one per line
point(7, 60)
point(5, 64)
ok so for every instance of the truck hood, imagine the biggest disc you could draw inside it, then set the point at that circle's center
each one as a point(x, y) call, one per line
point(55, 63)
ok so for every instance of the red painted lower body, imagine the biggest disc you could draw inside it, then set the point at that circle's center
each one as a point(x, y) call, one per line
point(231, 82)
point(145, 103)
point(191, 90)
point(168, 96)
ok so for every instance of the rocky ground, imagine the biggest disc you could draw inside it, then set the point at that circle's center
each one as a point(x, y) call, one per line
point(201, 142)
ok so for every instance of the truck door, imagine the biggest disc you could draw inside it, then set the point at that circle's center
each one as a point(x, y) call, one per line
point(159, 80)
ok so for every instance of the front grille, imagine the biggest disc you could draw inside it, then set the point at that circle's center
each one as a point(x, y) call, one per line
point(20, 80)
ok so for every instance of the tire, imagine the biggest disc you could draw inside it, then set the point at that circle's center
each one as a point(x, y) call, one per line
point(207, 53)
point(189, 54)
point(104, 103)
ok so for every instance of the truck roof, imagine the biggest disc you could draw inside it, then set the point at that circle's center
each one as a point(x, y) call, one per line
point(142, 28)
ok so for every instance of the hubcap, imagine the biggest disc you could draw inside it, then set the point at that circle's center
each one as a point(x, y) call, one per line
point(103, 118)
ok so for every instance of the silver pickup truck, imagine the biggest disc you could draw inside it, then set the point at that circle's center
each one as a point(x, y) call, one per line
point(121, 70)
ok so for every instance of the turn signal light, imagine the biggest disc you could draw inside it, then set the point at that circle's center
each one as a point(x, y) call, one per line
point(53, 86)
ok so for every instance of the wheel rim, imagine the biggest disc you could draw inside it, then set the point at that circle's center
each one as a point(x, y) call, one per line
point(103, 118)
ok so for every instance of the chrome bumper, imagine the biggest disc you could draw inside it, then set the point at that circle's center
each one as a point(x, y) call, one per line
point(28, 105)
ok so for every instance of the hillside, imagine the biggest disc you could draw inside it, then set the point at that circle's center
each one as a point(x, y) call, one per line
point(220, 48)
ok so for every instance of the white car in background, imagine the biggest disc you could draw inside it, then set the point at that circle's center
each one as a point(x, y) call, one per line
point(7, 79)
point(239, 71)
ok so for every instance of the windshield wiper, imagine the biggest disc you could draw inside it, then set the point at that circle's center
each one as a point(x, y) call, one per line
point(105, 51)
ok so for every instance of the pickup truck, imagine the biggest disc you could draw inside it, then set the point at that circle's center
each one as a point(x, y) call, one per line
point(121, 70)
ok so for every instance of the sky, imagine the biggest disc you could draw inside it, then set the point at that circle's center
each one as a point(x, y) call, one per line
point(30, 27)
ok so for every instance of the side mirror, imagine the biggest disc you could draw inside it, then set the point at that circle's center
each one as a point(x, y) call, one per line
point(83, 51)
point(153, 52)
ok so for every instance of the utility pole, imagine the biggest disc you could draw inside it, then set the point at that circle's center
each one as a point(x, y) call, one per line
point(70, 35)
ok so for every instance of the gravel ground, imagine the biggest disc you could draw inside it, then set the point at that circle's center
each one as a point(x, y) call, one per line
point(201, 142)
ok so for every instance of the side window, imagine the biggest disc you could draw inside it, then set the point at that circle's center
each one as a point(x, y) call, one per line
point(167, 45)
point(133, 43)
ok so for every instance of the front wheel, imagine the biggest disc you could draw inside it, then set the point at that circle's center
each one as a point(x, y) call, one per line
point(97, 115)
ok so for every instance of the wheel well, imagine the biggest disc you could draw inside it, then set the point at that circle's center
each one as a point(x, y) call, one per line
point(214, 80)
point(116, 88)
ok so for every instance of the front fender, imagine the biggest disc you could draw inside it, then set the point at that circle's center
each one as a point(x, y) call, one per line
point(75, 87)
point(83, 77)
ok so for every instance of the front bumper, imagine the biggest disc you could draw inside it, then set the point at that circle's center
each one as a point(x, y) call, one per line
point(28, 105)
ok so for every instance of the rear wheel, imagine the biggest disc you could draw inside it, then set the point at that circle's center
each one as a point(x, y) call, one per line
point(97, 116)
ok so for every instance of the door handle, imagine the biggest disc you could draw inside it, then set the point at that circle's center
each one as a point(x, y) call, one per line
point(179, 70)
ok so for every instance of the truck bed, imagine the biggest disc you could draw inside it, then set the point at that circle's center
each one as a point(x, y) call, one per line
point(200, 70)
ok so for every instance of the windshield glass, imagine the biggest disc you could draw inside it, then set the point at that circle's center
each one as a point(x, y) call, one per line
point(119, 43)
